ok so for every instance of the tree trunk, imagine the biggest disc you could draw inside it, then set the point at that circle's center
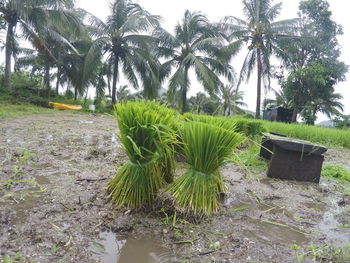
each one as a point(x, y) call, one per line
point(115, 79)
point(75, 93)
point(8, 53)
point(109, 85)
point(258, 91)
point(184, 100)
point(47, 79)
point(58, 80)
point(184, 91)
point(314, 112)
point(295, 114)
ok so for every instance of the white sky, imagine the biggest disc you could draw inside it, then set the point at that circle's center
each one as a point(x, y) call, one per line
point(172, 12)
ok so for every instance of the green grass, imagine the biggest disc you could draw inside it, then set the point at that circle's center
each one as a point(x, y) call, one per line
point(330, 137)
point(249, 159)
point(8, 110)
point(336, 172)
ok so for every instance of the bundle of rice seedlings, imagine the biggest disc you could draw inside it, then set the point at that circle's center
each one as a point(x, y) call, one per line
point(222, 122)
point(148, 138)
point(206, 149)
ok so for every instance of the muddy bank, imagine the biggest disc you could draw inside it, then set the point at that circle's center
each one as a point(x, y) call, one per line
point(54, 208)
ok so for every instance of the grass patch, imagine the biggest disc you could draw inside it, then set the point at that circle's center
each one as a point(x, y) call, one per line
point(336, 172)
point(322, 254)
point(330, 137)
point(8, 110)
point(249, 159)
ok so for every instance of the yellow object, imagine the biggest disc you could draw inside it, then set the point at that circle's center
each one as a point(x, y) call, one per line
point(60, 106)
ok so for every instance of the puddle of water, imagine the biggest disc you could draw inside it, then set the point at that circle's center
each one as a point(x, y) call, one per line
point(329, 226)
point(26, 200)
point(63, 157)
point(40, 179)
point(114, 144)
point(146, 249)
point(42, 165)
point(273, 233)
point(85, 122)
point(90, 139)
point(62, 173)
point(114, 141)
point(315, 206)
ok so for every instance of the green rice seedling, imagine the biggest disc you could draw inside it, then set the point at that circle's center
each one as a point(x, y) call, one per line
point(221, 122)
point(206, 149)
point(148, 138)
point(336, 172)
point(330, 137)
point(250, 128)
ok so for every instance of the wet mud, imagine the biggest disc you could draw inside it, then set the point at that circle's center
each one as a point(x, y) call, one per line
point(54, 206)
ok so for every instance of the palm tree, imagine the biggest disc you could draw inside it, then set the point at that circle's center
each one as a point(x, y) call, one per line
point(329, 104)
point(196, 45)
point(34, 17)
point(281, 100)
point(231, 99)
point(198, 102)
point(123, 93)
point(81, 73)
point(123, 38)
point(261, 33)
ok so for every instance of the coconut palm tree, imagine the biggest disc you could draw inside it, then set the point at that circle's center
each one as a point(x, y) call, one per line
point(281, 100)
point(198, 102)
point(261, 33)
point(123, 93)
point(34, 18)
point(196, 45)
point(123, 38)
point(231, 99)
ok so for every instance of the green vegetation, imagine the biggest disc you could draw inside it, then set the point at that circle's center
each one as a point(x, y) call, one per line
point(148, 135)
point(8, 110)
point(261, 33)
point(206, 149)
point(249, 159)
point(250, 128)
point(336, 172)
point(320, 254)
point(326, 136)
point(80, 52)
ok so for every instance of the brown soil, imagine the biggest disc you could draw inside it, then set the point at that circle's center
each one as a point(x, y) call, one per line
point(56, 209)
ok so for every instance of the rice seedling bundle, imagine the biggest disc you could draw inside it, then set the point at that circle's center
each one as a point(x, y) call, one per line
point(221, 122)
point(249, 128)
point(148, 138)
point(206, 149)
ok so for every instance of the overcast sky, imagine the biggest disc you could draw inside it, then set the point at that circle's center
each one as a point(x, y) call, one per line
point(172, 12)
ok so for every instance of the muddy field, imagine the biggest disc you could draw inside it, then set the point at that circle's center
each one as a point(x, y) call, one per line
point(54, 206)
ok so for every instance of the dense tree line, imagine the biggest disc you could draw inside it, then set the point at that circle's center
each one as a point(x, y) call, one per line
point(75, 48)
